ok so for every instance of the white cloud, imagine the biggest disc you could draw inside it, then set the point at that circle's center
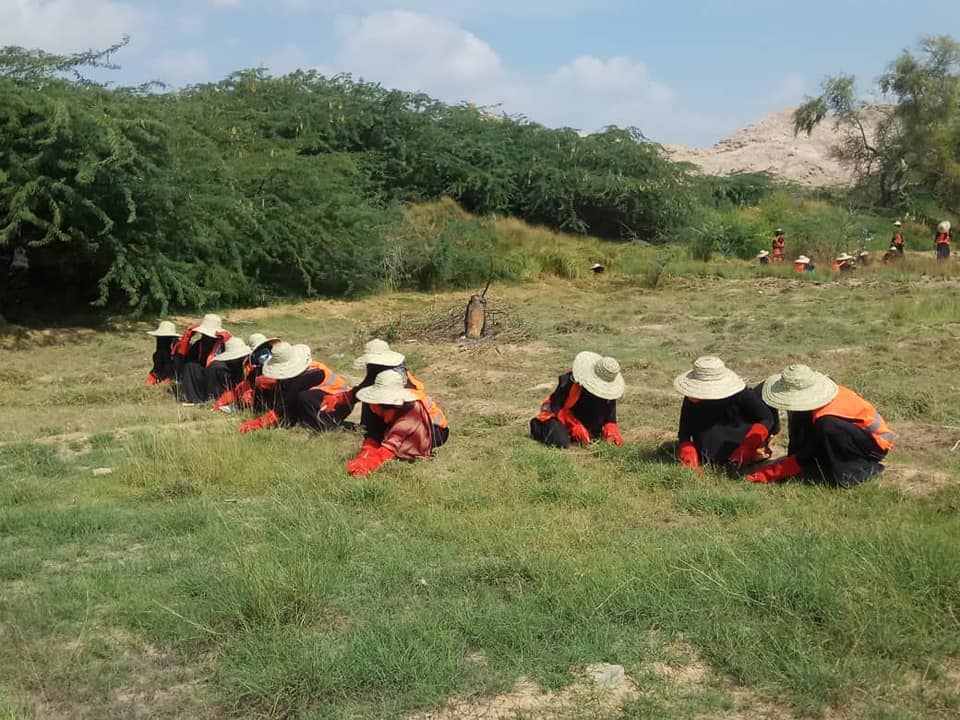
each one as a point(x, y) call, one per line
point(63, 26)
point(413, 51)
point(178, 67)
point(416, 52)
point(226, 3)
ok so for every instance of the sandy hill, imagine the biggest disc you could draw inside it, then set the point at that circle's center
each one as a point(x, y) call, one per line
point(770, 146)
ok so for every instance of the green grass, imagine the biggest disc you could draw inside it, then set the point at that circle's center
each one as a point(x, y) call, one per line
point(216, 575)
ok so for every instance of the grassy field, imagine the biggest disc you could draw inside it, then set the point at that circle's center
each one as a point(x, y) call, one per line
point(216, 575)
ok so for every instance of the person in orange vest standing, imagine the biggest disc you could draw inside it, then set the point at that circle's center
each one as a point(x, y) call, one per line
point(836, 436)
point(898, 241)
point(779, 246)
point(400, 423)
point(944, 234)
point(308, 393)
point(583, 408)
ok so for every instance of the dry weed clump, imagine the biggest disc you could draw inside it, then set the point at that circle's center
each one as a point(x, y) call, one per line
point(445, 324)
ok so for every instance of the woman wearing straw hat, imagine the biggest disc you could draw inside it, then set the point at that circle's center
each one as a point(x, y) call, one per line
point(226, 372)
point(254, 391)
point(897, 243)
point(835, 435)
point(722, 421)
point(194, 353)
point(942, 240)
point(803, 265)
point(399, 422)
point(764, 257)
point(583, 408)
point(162, 371)
point(844, 262)
point(779, 246)
point(303, 393)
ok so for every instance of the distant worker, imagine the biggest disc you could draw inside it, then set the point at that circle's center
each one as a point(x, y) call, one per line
point(764, 257)
point(835, 435)
point(194, 352)
point(584, 405)
point(399, 423)
point(898, 242)
point(779, 246)
point(162, 371)
point(803, 265)
point(944, 235)
point(863, 259)
point(892, 255)
point(308, 393)
point(844, 262)
point(722, 421)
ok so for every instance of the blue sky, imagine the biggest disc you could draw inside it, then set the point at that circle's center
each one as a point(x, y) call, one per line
point(680, 70)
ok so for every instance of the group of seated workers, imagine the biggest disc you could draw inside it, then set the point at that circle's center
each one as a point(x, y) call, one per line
point(835, 436)
point(286, 387)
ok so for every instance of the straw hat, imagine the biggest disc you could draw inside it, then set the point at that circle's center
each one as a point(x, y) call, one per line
point(258, 339)
point(944, 227)
point(209, 326)
point(779, 231)
point(378, 352)
point(287, 361)
point(710, 379)
point(843, 257)
point(165, 329)
point(895, 248)
point(389, 388)
point(599, 375)
point(233, 349)
point(803, 259)
point(763, 253)
point(864, 253)
point(898, 224)
point(798, 389)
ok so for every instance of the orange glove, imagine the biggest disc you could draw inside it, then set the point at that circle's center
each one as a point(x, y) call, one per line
point(578, 433)
point(228, 398)
point(332, 402)
point(611, 433)
point(689, 457)
point(152, 379)
point(747, 452)
point(366, 462)
point(264, 421)
point(782, 470)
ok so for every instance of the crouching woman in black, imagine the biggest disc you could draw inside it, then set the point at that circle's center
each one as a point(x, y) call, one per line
point(583, 408)
point(722, 421)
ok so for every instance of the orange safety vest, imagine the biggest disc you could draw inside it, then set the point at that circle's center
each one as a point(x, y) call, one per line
point(897, 240)
point(779, 244)
point(837, 267)
point(332, 384)
point(847, 405)
point(388, 413)
point(943, 238)
point(546, 413)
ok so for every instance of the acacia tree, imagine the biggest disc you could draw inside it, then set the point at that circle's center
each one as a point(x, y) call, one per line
point(907, 148)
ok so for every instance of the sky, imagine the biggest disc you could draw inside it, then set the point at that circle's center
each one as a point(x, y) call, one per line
point(682, 71)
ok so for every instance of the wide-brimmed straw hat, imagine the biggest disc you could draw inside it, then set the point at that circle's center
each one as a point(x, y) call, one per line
point(864, 253)
point(779, 231)
point(389, 388)
point(599, 375)
point(944, 227)
point(258, 339)
point(898, 224)
point(799, 389)
point(803, 259)
point(164, 329)
point(763, 253)
point(844, 256)
point(710, 379)
point(209, 326)
point(378, 352)
point(287, 361)
point(234, 349)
